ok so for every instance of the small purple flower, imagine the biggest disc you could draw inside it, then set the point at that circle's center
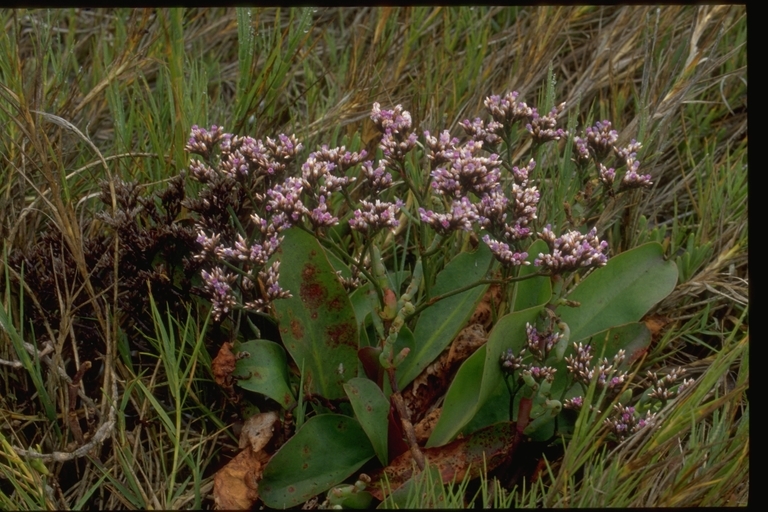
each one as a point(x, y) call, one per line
point(481, 132)
point(234, 165)
point(491, 209)
point(319, 217)
point(395, 146)
point(502, 253)
point(340, 157)
point(521, 173)
point(395, 125)
point(607, 175)
point(285, 148)
point(510, 362)
point(467, 173)
point(377, 179)
point(202, 141)
point(271, 288)
point(632, 179)
point(201, 171)
point(625, 152)
point(441, 148)
point(540, 343)
point(313, 169)
point(461, 216)
point(581, 150)
point(575, 403)
point(579, 365)
point(624, 421)
point(209, 244)
point(398, 120)
point(219, 285)
point(515, 232)
point(505, 110)
point(572, 251)
point(601, 138)
point(525, 201)
point(542, 128)
point(541, 372)
point(286, 198)
point(661, 386)
point(372, 217)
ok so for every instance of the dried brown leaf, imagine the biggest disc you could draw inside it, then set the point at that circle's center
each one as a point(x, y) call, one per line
point(483, 314)
point(223, 365)
point(258, 430)
point(424, 428)
point(487, 448)
point(433, 382)
point(236, 485)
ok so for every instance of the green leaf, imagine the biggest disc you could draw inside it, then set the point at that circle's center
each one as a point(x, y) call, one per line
point(325, 451)
point(371, 409)
point(439, 324)
point(634, 338)
point(479, 376)
point(317, 325)
point(494, 410)
point(460, 401)
point(621, 292)
point(264, 370)
point(535, 291)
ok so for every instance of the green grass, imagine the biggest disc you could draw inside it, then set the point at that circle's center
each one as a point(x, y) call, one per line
point(97, 94)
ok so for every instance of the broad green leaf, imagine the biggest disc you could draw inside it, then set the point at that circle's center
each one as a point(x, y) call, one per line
point(495, 409)
point(620, 292)
point(439, 324)
point(264, 370)
point(317, 325)
point(325, 451)
point(460, 401)
point(479, 376)
point(634, 338)
point(371, 409)
point(535, 291)
point(362, 303)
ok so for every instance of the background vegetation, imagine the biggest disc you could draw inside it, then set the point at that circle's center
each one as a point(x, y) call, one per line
point(87, 95)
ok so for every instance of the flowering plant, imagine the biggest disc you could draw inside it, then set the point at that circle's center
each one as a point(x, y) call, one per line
point(375, 267)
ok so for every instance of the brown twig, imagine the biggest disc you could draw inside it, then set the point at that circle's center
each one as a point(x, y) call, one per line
point(410, 434)
point(74, 423)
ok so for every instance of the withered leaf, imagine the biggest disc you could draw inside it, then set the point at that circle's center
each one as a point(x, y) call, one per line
point(236, 485)
point(258, 430)
point(487, 448)
point(424, 428)
point(483, 314)
point(433, 382)
point(223, 365)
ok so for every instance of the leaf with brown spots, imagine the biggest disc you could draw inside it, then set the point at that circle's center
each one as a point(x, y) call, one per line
point(488, 447)
point(318, 324)
point(262, 367)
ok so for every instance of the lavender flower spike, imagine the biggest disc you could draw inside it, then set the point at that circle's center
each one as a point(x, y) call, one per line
point(502, 253)
point(572, 251)
point(219, 285)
